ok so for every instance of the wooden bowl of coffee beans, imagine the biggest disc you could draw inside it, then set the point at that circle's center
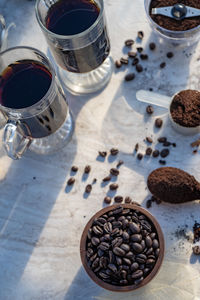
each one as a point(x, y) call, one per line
point(122, 247)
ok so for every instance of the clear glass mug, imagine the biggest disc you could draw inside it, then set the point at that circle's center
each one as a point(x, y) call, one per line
point(43, 127)
point(83, 58)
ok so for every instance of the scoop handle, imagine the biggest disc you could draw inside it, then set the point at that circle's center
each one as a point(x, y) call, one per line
point(153, 98)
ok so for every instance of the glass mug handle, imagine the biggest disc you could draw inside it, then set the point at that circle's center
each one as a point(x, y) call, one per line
point(14, 143)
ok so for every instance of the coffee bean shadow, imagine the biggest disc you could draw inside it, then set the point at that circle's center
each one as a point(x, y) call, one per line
point(69, 188)
point(85, 176)
point(111, 193)
point(112, 158)
point(113, 178)
point(86, 195)
point(100, 158)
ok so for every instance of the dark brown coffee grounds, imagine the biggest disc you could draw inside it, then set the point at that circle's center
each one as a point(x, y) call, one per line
point(185, 108)
point(173, 185)
point(172, 24)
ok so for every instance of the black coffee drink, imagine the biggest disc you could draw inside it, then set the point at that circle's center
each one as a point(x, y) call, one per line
point(71, 17)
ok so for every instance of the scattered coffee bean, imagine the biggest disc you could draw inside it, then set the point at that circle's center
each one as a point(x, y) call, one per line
point(102, 153)
point(129, 77)
point(107, 200)
point(149, 140)
point(162, 139)
point(148, 203)
point(174, 145)
point(166, 144)
point(74, 169)
point(196, 250)
point(118, 199)
point(120, 162)
point(136, 147)
point(144, 56)
point(162, 65)
point(71, 181)
point(114, 151)
point(114, 172)
point(162, 162)
point(139, 49)
point(156, 153)
point(88, 188)
point(127, 200)
point(87, 169)
point(113, 186)
point(140, 34)
point(158, 122)
point(152, 46)
point(129, 42)
point(150, 89)
point(94, 181)
point(124, 61)
point(170, 54)
point(149, 109)
point(195, 151)
point(132, 54)
point(140, 156)
point(164, 153)
point(135, 61)
point(148, 151)
point(139, 68)
point(118, 64)
point(107, 178)
point(195, 143)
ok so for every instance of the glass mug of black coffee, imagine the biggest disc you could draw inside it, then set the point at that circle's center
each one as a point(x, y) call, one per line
point(76, 33)
point(33, 103)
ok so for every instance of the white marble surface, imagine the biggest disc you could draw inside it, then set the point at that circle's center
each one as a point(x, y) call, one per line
point(41, 221)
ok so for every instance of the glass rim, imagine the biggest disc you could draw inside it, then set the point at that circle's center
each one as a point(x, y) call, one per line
point(52, 71)
point(67, 37)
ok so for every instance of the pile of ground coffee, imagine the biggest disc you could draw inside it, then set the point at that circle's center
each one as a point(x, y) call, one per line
point(173, 185)
point(185, 108)
point(172, 24)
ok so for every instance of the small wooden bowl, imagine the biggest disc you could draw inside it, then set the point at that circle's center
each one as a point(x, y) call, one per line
point(119, 288)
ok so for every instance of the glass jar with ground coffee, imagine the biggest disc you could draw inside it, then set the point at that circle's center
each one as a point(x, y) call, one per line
point(177, 27)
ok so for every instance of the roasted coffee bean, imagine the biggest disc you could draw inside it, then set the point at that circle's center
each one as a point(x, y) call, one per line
point(123, 274)
point(174, 144)
point(114, 172)
point(164, 153)
point(143, 244)
point(107, 227)
point(166, 144)
point(92, 258)
point(111, 219)
point(162, 65)
point(162, 139)
point(136, 238)
point(130, 255)
point(117, 242)
point(107, 178)
point(139, 68)
point(100, 253)
point(115, 231)
point(127, 200)
point(120, 162)
point(148, 151)
point(132, 54)
point(71, 181)
point(111, 257)
point(137, 274)
point(118, 199)
point(113, 186)
point(146, 225)
point(153, 235)
point(157, 252)
point(125, 236)
point(129, 77)
point(134, 227)
point(155, 244)
point(148, 203)
point(138, 281)
point(148, 241)
point(74, 169)
point(140, 34)
point(97, 230)
point(113, 268)
point(126, 261)
point(89, 234)
point(141, 258)
point(102, 153)
point(150, 262)
point(104, 246)
point(149, 139)
point(139, 49)
point(123, 282)
point(118, 260)
point(118, 64)
point(134, 267)
point(107, 200)
point(162, 162)
point(152, 257)
point(101, 220)
point(126, 211)
point(137, 247)
point(135, 219)
point(170, 54)
point(140, 156)
point(146, 271)
point(94, 181)
point(118, 251)
point(149, 109)
point(152, 46)
point(95, 263)
point(125, 267)
point(158, 122)
point(89, 252)
point(155, 153)
point(104, 275)
point(88, 188)
point(109, 272)
point(142, 267)
point(136, 147)
point(124, 61)
point(125, 247)
point(114, 151)
point(129, 42)
point(144, 56)
point(196, 250)
point(135, 61)
point(118, 210)
point(117, 224)
point(95, 241)
point(97, 269)
point(105, 238)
